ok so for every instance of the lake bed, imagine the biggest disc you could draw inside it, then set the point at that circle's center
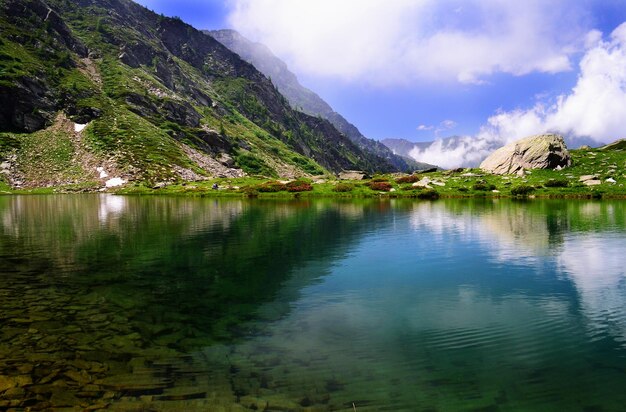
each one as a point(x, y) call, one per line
point(167, 303)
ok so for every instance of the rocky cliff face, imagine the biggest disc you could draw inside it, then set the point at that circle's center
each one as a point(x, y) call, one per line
point(546, 151)
point(301, 98)
point(152, 91)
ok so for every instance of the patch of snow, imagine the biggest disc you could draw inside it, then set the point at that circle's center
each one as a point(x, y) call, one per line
point(102, 172)
point(114, 182)
point(79, 127)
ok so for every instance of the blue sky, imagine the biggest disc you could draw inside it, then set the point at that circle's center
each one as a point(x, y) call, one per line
point(422, 69)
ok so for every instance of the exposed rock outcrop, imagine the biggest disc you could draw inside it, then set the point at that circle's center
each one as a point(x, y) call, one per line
point(547, 151)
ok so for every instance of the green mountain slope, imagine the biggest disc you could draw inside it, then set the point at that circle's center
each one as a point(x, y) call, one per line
point(302, 98)
point(161, 101)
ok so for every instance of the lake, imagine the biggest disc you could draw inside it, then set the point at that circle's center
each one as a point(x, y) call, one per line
point(165, 303)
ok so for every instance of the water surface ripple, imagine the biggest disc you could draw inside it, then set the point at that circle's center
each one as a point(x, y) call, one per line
point(135, 303)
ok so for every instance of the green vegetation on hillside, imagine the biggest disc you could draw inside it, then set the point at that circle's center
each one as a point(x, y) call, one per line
point(162, 100)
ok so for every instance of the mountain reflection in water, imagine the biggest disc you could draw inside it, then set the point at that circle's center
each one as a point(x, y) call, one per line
point(179, 303)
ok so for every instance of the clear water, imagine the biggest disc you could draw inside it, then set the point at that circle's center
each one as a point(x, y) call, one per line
point(147, 303)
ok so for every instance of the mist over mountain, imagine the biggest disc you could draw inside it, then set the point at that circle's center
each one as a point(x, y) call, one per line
point(461, 151)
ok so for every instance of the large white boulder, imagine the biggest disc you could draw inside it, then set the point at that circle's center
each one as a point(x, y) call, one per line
point(546, 151)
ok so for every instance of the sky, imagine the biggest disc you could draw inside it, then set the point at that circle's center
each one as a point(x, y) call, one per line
point(489, 71)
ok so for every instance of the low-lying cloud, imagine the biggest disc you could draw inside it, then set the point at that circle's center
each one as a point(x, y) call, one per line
point(593, 111)
point(385, 42)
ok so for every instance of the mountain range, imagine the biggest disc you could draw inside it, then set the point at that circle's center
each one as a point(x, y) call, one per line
point(302, 98)
point(91, 89)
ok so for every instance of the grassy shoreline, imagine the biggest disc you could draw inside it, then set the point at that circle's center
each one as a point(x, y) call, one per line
point(607, 170)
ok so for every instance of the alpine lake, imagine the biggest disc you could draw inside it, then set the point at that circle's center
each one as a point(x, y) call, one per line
point(170, 303)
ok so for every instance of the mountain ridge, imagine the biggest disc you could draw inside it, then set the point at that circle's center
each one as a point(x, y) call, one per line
point(302, 98)
point(156, 96)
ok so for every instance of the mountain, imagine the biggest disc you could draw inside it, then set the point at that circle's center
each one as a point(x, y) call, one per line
point(403, 147)
point(91, 89)
point(302, 98)
point(466, 150)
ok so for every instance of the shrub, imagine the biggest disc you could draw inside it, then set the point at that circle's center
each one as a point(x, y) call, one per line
point(379, 179)
point(271, 187)
point(556, 183)
point(299, 186)
point(480, 186)
point(254, 165)
point(408, 179)
point(250, 191)
point(430, 194)
point(343, 187)
point(380, 186)
point(522, 190)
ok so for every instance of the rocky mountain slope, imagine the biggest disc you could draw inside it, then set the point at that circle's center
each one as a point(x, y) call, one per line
point(302, 98)
point(92, 90)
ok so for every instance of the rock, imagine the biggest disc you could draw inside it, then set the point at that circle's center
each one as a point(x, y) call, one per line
point(535, 152)
point(584, 178)
point(6, 382)
point(592, 182)
point(611, 180)
point(352, 175)
point(422, 183)
point(226, 160)
point(584, 147)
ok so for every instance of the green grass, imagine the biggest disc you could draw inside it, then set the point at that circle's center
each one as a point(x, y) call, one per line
point(138, 146)
point(536, 183)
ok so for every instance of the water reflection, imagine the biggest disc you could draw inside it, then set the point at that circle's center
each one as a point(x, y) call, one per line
point(177, 303)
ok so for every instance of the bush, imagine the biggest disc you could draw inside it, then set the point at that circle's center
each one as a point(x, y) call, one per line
point(343, 187)
point(430, 194)
point(380, 186)
point(299, 186)
point(556, 183)
point(254, 165)
point(379, 179)
point(408, 179)
point(271, 187)
point(480, 186)
point(250, 191)
point(522, 190)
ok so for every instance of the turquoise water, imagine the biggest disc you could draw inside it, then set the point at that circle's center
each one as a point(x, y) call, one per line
point(134, 303)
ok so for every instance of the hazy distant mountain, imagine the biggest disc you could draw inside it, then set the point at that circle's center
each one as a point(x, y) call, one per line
point(302, 98)
point(467, 151)
point(403, 147)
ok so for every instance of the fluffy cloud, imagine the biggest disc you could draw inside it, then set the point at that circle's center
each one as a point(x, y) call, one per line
point(594, 110)
point(403, 41)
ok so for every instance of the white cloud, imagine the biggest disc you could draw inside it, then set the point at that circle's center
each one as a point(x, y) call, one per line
point(403, 41)
point(423, 127)
point(447, 124)
point(594, 109)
